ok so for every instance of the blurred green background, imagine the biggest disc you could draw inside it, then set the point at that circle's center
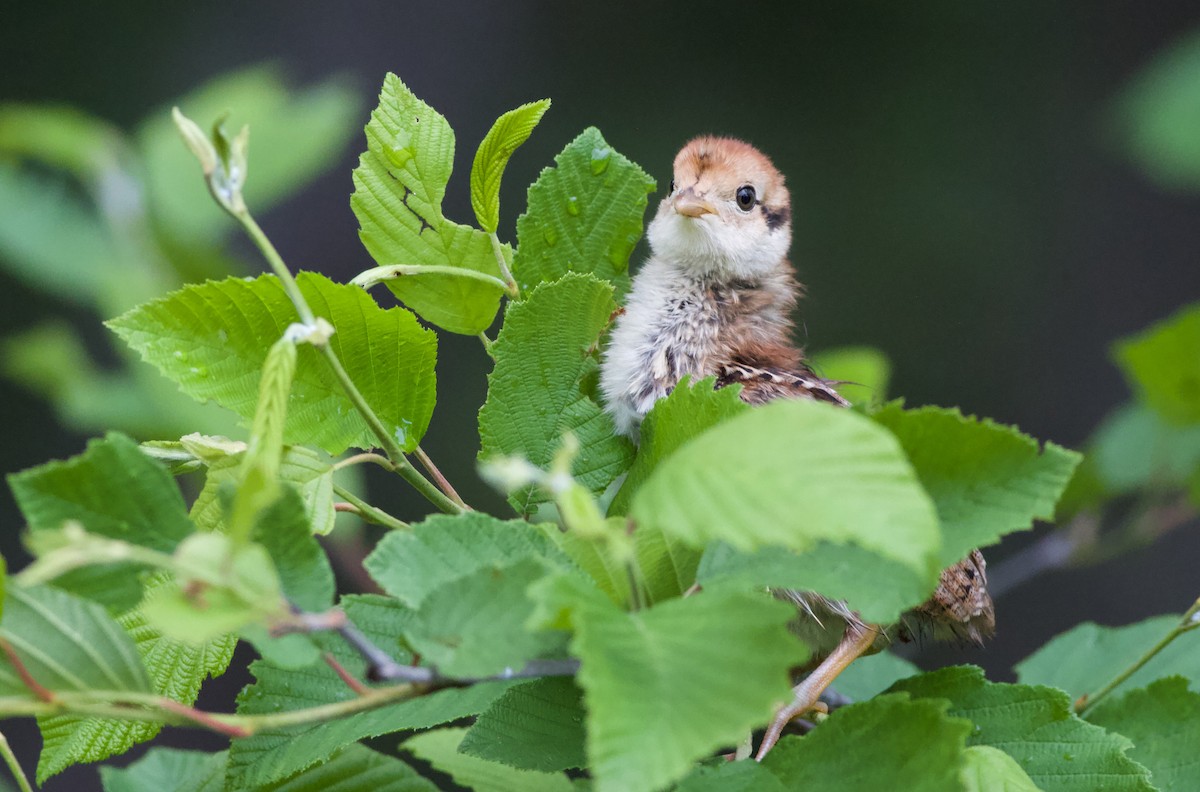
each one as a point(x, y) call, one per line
point(989, 194)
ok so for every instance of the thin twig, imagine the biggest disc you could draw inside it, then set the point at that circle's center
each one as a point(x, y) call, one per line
point(439, 479)
point(204, 719)
point(366, 511)
point(498, 249)
point(359, 459)
point(487, 344)
point(349, 679)
point(26, 678)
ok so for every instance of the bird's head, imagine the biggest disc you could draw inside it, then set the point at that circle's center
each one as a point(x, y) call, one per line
point(728, 211)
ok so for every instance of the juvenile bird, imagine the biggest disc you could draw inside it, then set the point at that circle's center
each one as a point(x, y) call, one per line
point(715, 298)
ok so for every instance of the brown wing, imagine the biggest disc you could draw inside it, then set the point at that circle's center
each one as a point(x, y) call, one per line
point(761, 384)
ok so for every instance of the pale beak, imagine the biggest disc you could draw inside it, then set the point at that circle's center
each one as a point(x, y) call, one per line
point(688, 204)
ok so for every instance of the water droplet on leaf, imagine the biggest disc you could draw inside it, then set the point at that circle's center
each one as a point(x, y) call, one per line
point(573, 206)
point(550, 235)
point(399, 152)
point(600, 158)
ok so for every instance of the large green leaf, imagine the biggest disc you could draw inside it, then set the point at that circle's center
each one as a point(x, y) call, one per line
point(793, 474)
point(543, 382)
point(295, 135)
point(1163, 720)
point(302, 468)
point(889, 742)
point(398, 189)
point(584, 215)
point(411, 564)
point(1035, 726)
point(506, 135)
point(272, 754)
point(212, 339)
point(668, 685)
point(353, 769)
point(113, 490)
point(475, 626)
point(1086, 657)
point(535, 726)
point(440, 748)
point(731, 777)
point(986, 479)
point(689, 410)
point(176, 670)
point(989, 769)
point(1163, 366)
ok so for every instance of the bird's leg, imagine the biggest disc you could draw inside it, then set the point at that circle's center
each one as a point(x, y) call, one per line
point(858, 639)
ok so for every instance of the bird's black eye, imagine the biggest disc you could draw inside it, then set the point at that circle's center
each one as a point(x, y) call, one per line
point(671, 189)
point(745, 197)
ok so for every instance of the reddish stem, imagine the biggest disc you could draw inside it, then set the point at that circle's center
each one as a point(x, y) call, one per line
point(26, 678)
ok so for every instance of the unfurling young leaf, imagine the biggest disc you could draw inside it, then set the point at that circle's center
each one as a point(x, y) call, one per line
point(506, 135)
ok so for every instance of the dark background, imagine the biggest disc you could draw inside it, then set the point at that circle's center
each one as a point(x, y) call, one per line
point(960, 201)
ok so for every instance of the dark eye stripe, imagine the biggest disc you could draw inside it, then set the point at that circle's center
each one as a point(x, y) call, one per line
point(775, 217)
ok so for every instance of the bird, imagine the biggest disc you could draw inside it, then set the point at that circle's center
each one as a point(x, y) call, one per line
point(715, 298)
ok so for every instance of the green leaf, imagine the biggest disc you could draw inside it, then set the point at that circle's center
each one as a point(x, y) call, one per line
point(475, 626)
point(398, 189)
point(440, 749)
point(176, 670)
point(303, 567)
point(303, 469)
point(1086, 657)
point(212, 339)
point(296, 135)
point(584, 215)
point(1163, 366)
point(1035, 726)
point(506, 135)
point(168, 770)
point(1156, 113)
point(543, 383)
point(1163, 720)
point(986, 479)
point(64, 138)
point(792, 474)
point(535, 726)
point(52, 240)
point(274, 753)
point(889, 742)
point(880, 589)
point(989, 769)
point(869, 676)
point(689, 410)
point(113, 490)
point(731, 777)
point(862, 374)
point(659, 684)
point(446, 548)
point(1134, 449)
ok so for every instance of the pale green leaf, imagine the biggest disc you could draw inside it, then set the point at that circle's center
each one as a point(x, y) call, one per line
point(398, 189)
point(1035, 726)
point(1157, 113)
point(62, 137)
point(1086, 657)
point(1135, 448)
point(543, 383)
point(584, 215)
point(212, 339)
point(793, 474)
point(176, 670)
point(871, 675)
point(440, 749)
point(411, 564)
point(888, 742)
point(689, 410)
point(506, 135)
point(660, 685)
point(168, 770)
point(304, 469)
point(295, 135)
point(113, 490)
point(861, 374)
point(1162, 365)
point(988, 769)
point(535, 726)
point(1163, 720)
point(986, 479)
